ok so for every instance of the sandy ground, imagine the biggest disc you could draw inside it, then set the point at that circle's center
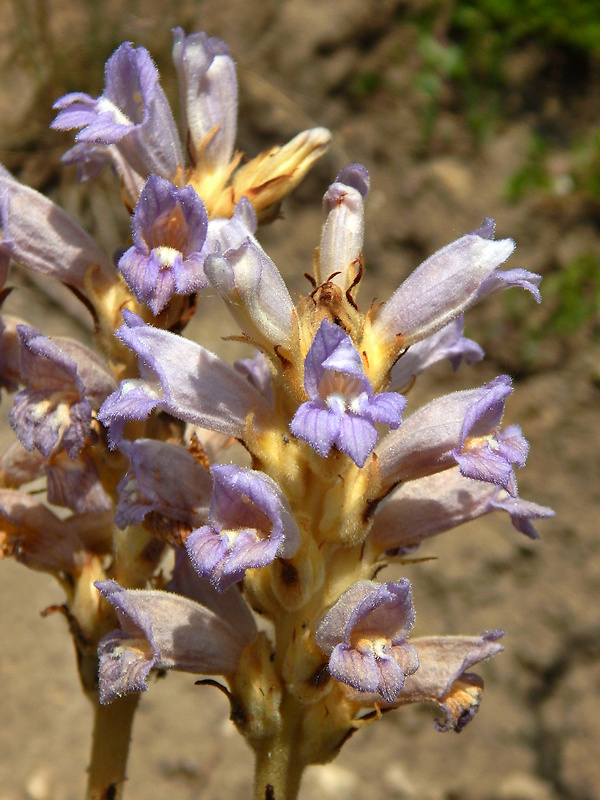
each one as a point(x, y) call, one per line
point(537, 734)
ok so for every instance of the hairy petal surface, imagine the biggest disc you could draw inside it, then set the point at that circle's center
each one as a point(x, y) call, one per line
point(441, 289)
point(342, 407)
point(40, 235)
point(208, 94)
point(436, 437)
point(249, 525)
point(181, 378)
point(162, 477)
point(364, 634)
point(420, 509)
point(163, 631)
point(448, 342)
point(342, 238)
point(169, 234)
point(132, 113)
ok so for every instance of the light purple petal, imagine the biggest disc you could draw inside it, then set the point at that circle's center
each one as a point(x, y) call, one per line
point(183, 379)
point(521, 513)
point(429, 441)
point(357, 438)
point(169, 234)
point(364, 634)
point(258, 373)
point(317, 426)
point(44, 238)
point(250, 523)
point(446, 343)
point(208, 94)
point(504, 279)
point(51, 412)
point(342, 407)
point(162, 477)
point(133, 113)
point(444, 286)
point(161, 630)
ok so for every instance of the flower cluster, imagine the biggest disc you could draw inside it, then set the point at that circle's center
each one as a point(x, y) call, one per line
point(338, 481)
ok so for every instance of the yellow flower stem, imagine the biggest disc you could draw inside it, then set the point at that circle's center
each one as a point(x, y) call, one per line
point(110, 748)
point(278, 768)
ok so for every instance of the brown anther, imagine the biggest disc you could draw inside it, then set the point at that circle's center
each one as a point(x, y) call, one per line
point(310, 279)
point(197, 450)
point(284, 360)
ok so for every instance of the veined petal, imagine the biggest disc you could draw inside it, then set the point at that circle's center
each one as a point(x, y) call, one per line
point(165, 478)
point(420, 509)
point(133, 113)
point(342, 238)
point(364, 634)
point(169, 234)
point(255, 293)
point(342, 406)
point(250, 523)
point(208, 93)
point(442, 677)
point(444, 286)
point(165, 631)
point(429, 440)
point(183, 379)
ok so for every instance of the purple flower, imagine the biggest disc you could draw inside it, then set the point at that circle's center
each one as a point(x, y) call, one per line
point(63, 382)
point(342, 408)
point(484, 453)
point(364, 634)
point(40, 235)
point(181, 378)
point(443, 679)
point(208, 94)
point(163, 631)
point(448, 342)
point(458, 428)
point(162, 477)
point(504, 279)
point(132, 113)
point(169, 233)
point(418, 510)
point(249, 525)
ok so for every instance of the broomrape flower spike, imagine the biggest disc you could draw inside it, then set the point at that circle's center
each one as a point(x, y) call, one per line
point(166, 549)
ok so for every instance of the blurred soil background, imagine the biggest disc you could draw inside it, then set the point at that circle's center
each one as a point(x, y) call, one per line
point(459, 110)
